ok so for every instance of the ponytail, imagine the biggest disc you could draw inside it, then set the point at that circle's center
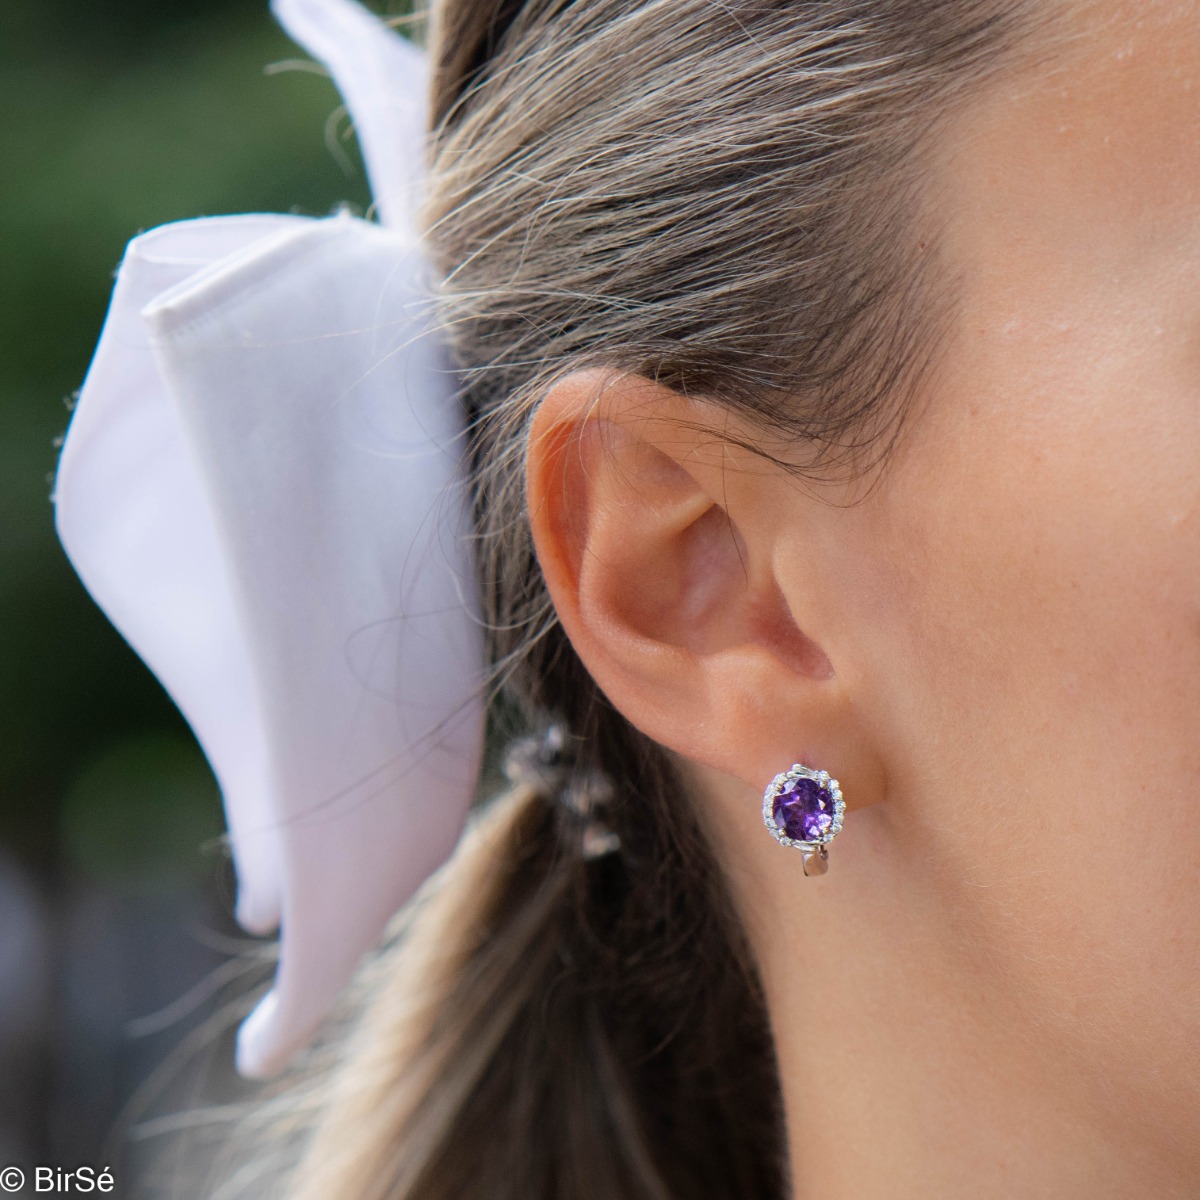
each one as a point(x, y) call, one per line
point(560, 1020)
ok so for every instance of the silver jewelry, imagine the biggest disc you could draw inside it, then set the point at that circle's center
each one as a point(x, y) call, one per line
point(803, 807)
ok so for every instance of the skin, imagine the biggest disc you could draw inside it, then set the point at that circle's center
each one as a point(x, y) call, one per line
point(995, 991)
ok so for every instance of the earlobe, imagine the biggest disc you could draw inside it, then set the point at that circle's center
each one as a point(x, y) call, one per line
point(658, 538)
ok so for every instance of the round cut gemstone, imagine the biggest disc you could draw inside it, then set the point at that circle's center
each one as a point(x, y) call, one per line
point(803, 810)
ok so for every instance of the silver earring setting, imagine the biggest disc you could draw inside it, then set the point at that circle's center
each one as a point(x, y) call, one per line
point(804, 808)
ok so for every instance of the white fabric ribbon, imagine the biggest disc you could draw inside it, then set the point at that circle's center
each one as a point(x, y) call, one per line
point(261, 486)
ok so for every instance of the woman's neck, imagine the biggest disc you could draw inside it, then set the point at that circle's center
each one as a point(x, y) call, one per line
point(911, 1068)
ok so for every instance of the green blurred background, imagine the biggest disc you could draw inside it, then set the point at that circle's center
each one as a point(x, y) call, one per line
point(116, 118)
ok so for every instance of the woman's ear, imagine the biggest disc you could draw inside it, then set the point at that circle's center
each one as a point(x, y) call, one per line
point(659, 537)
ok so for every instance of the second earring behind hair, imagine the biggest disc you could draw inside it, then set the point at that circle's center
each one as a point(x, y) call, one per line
point(803, 807)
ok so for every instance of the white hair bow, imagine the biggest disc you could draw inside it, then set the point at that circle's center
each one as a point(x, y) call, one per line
point(262, 487)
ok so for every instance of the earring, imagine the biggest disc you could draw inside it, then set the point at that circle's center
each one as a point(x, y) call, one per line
point(804, 808)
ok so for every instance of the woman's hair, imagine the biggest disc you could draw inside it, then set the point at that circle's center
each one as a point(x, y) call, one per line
point(730, 197)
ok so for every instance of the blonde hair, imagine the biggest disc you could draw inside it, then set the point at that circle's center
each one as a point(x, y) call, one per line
point(728, 198)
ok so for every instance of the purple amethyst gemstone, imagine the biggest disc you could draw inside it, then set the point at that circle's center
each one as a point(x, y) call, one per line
point(803, 810)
